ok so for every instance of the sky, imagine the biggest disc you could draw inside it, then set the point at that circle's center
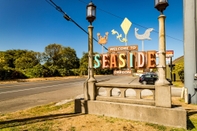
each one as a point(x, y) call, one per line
point(34, 24)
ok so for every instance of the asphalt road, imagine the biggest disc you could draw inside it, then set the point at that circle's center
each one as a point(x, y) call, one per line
point(22, 95)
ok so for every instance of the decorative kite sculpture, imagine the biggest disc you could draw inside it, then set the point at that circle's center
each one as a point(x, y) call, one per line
point(126, 24)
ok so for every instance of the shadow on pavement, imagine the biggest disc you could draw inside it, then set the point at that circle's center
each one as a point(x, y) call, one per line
point(30, 120)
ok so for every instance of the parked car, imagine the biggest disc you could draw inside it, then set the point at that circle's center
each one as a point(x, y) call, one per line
point(148, 78)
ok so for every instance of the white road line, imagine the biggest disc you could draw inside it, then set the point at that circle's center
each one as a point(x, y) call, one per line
point(6, 92)
point(26, 83)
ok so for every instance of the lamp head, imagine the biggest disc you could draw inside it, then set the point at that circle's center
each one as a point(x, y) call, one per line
point(161, 5)
point(91, 12)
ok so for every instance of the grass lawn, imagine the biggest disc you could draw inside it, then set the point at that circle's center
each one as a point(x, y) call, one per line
point(178, 84)
point(54, 117)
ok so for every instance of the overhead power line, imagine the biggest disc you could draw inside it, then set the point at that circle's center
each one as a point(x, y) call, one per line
point(68, 18)
point(132, 22)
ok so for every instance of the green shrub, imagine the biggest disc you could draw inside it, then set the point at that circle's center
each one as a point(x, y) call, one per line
point(38, 71)
point(9, 74)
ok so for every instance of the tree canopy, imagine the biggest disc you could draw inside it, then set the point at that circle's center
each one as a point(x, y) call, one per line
point(56, 60)
point(179, 69)
point(61, 57)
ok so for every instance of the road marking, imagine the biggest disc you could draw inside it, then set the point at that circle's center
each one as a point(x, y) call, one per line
point(32, 83)
point(39, 87)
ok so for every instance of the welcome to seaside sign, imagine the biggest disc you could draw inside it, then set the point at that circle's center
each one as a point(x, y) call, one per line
point(126, 57)
point(119, 57)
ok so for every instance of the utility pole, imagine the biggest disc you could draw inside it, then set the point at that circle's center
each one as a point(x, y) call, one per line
point(190, 47)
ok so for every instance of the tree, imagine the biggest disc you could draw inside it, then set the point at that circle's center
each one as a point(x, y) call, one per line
point(21, 59)
point(62, 58)
point(84, 64)
point(52, 54)
point(28, 59)
point(179, 69)
point(70, 59)
point(16, 64)
point(10, 58)
point(2, 60)
point(38, 71)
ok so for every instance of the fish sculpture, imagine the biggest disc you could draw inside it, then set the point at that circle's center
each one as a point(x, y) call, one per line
point(145, 36)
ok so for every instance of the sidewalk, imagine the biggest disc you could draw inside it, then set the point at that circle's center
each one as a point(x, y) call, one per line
point(123, 80)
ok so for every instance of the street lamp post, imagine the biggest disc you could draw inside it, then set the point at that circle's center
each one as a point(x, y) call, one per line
point(90, 16)
point(162, 88)
point(161, 5)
